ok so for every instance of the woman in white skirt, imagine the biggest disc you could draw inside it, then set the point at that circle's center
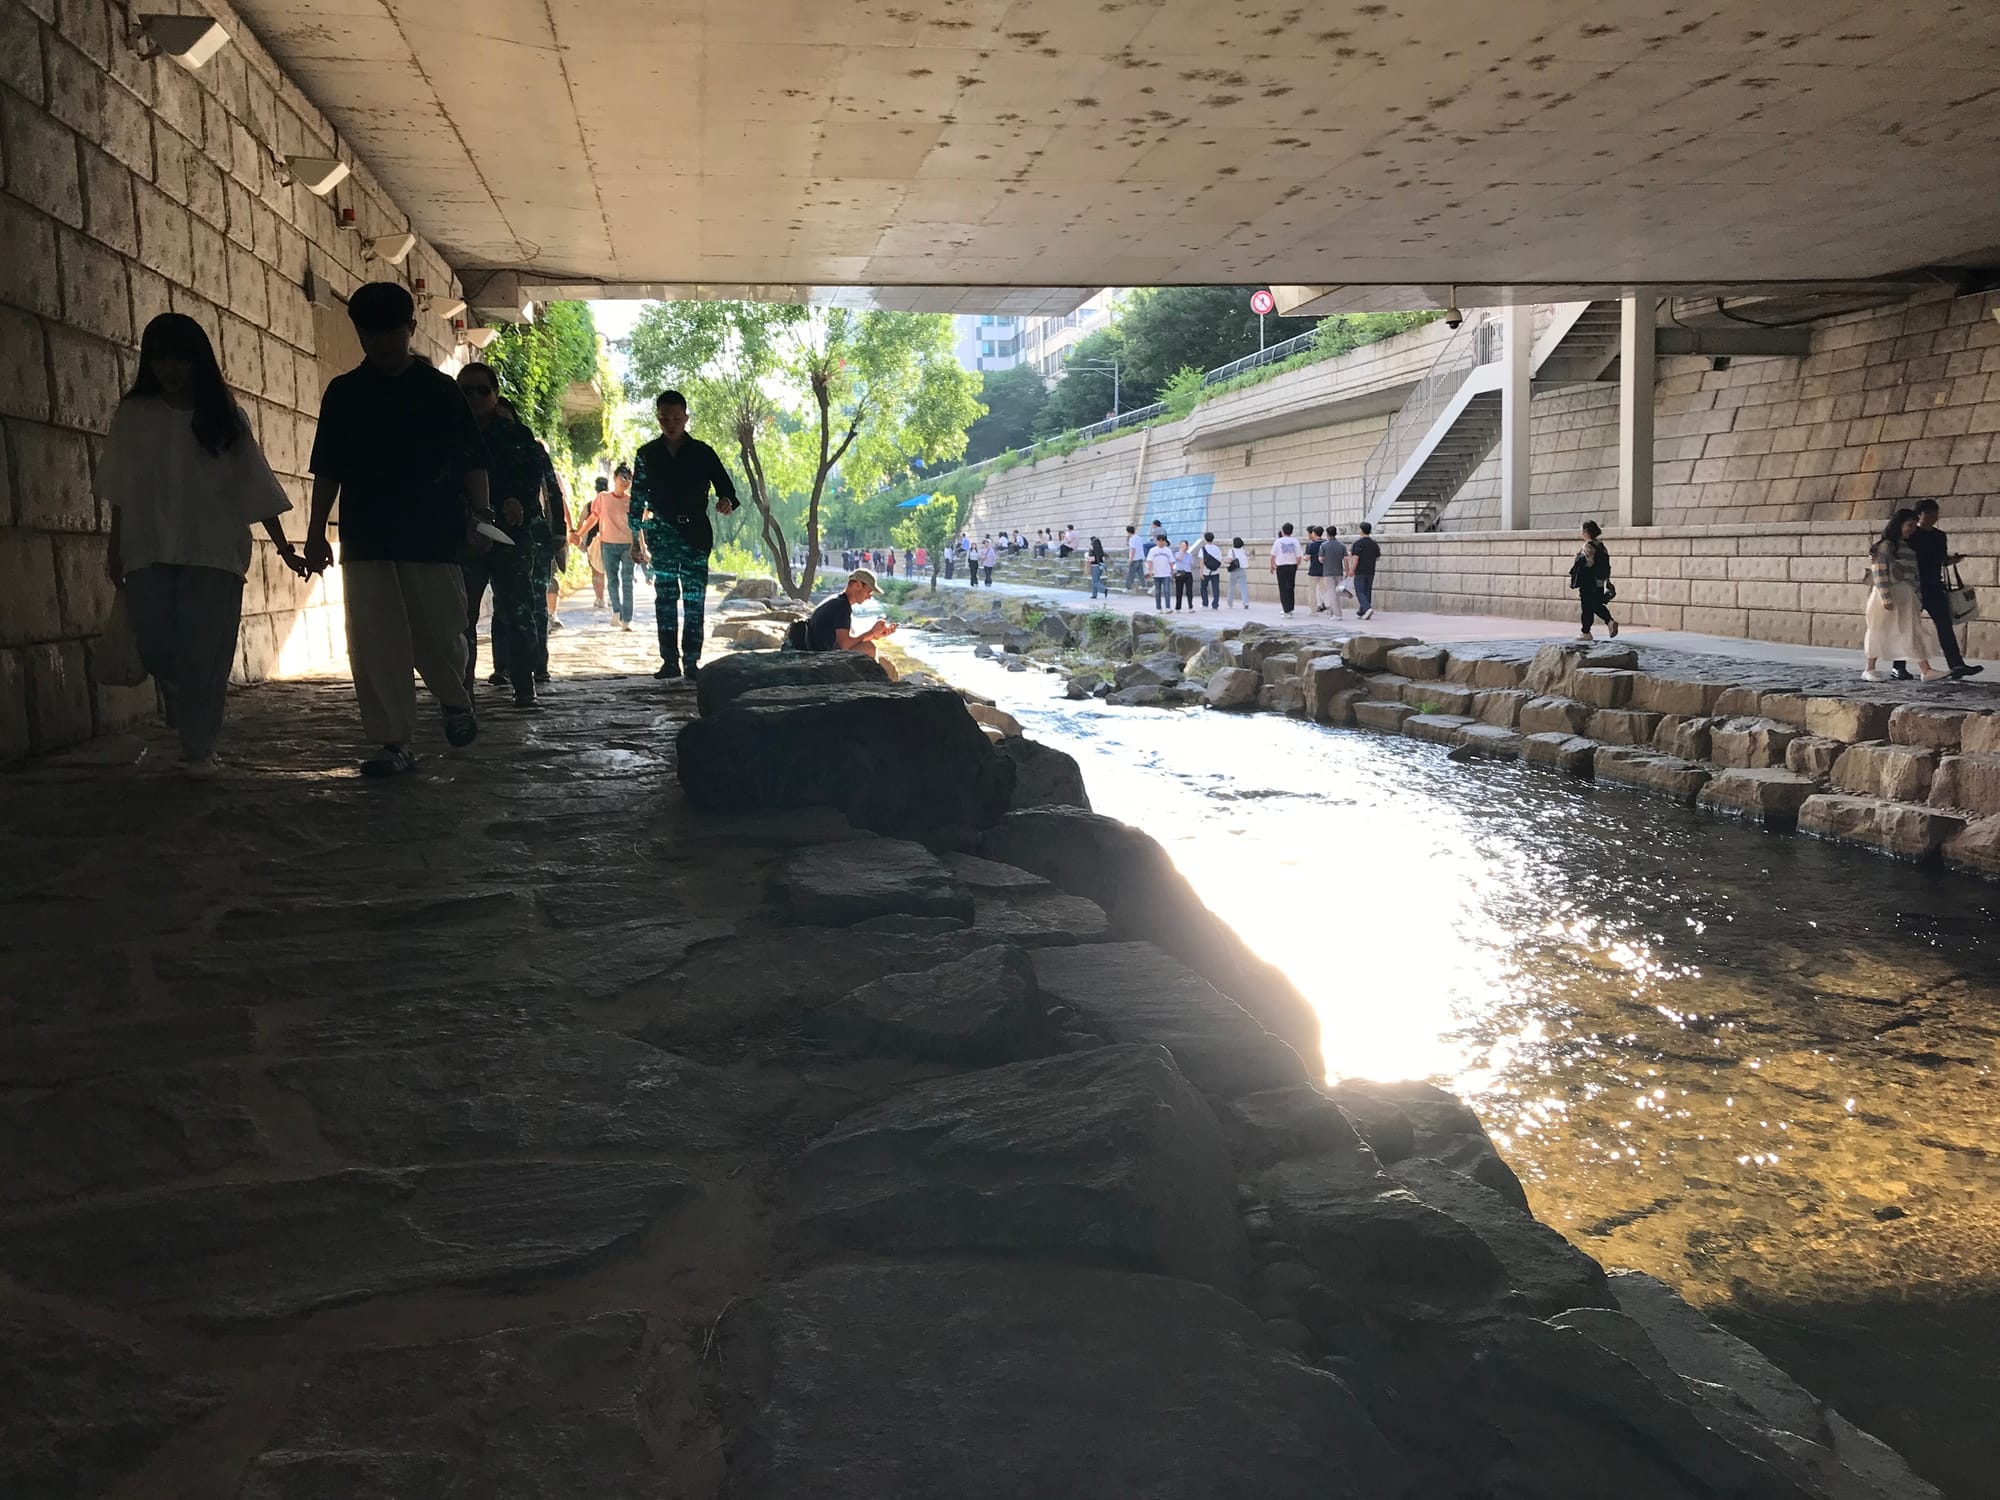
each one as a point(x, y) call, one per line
point(185, 481)
point(1894, 616)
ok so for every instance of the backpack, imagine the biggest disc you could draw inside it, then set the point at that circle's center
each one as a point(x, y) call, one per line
point(795, 636)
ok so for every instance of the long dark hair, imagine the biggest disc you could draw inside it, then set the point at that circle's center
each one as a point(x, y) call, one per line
point(217, 422)
point(1892, 529)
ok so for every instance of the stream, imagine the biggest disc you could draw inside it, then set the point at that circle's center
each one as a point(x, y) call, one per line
point(1757, 1065)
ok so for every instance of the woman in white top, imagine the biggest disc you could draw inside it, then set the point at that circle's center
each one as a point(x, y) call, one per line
point(1285, 555)
point(185, 480)
point(1237, 572)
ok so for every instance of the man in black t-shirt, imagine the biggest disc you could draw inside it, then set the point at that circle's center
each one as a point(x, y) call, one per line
point(671, 478)
point(398, 449)
point(831, 626)
point(1361, 560)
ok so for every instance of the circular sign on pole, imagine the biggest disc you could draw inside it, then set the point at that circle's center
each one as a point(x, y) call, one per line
point(1262, 302)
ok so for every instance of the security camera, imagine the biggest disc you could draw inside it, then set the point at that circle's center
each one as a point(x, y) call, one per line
point(1453, 317)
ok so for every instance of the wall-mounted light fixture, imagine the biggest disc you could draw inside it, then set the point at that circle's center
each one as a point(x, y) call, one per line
point(479, 338)
point(392, 248)
point(430, 302)
point(189, 40)
point(318, 175)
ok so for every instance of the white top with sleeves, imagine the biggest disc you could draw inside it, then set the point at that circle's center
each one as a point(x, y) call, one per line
point(177, 502)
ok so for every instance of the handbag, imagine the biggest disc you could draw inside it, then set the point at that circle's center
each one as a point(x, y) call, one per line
point(1961, 599)
point(114, 661)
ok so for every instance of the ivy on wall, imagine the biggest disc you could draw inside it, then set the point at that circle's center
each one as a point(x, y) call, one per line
point(538, 361)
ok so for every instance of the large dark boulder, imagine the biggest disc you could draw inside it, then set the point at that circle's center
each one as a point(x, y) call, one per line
point(980, 1010)
point(1107, 1155)
point(983, 1381)
point(1128, 874)
point(837, 885)
point(894, 757)
point(1043, 775)
point(729, 677)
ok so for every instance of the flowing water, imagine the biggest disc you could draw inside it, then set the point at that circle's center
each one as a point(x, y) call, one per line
point(1759, 1066)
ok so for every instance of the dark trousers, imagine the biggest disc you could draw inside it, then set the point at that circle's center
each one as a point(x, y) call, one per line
point(1364, 590)
point(680, 589)
point(1183, 590)
point(1939, 609)
point(1288, 578)
point(1590, 600)
point(517, 641)
point(1211, 589)
point(989, 576)
point(184, 621)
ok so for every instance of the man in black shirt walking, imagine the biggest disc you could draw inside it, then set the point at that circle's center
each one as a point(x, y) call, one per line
point(1934, 555)
point(1361, 560)
point(670, 481)
point(397, 447)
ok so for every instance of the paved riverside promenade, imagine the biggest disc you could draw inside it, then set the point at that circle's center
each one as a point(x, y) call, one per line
point(1823, 662)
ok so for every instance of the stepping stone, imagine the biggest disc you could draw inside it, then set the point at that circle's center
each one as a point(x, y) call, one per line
point(572, 1408)
point(990, 875)
point(1036, 919)
point(139, 1130)
point(529, 1096)
point(1545, 1273)
point(980, 1011)
point(1107, 1155)
point(724, 680)
point(242, 1252)
point(1767, 793)
point(837, 885)
point(992, 1382)
point(1134, 992)
point(78, 1411)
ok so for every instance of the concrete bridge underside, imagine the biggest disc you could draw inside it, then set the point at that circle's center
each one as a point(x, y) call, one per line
point(989, 154)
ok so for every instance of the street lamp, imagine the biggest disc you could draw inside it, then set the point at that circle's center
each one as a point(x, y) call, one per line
point(1101, 364)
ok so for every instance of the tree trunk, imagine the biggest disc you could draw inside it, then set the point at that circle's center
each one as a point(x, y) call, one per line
point(760, 496)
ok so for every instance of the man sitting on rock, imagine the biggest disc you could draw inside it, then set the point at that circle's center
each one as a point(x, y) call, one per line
point(831, 627)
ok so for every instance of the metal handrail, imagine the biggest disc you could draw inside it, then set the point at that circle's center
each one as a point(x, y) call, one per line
point(1268, 356)
point(1478, 342)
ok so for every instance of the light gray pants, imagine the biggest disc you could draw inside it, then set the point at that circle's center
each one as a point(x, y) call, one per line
point(184, 620)
point(404, 616)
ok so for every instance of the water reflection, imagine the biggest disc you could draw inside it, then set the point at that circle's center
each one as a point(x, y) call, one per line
point(1749, 1063)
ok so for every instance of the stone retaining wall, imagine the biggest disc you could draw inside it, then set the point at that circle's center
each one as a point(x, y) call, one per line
point(134, 188)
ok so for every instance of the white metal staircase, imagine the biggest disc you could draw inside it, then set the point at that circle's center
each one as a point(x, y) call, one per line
point(1452, 420)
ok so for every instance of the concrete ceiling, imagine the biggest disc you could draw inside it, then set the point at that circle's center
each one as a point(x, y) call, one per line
point(1053, 146)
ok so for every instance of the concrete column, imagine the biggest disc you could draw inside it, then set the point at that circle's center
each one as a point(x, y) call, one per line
point(1636, 365)
point(1516, 472)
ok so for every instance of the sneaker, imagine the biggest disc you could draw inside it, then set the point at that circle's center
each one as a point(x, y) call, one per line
point(667, 671)
point(1903, 673)
point(461, 728)
point(541, 679)
point(624, 624)
point(554, 624)
point(1585, 635)
point(1968, 670)
point(201, 768)
point(393, 761)
point(1868, 676)
point(1614, 630)
point(498, 679)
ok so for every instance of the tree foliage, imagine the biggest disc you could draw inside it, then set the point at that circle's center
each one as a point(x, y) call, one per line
point(1083, 396)
point(932, 527)
point(537, 362)
point(805, 394)
point(1167, 328)
point(1014, 399)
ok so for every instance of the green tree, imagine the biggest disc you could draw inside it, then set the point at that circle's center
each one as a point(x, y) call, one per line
point(1014, 398)
point(930, 526)
point(808, 393)
point(1083, 396)
point(538, 362)
point(1166, 328)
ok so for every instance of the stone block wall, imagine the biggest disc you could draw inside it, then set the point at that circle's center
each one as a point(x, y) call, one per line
point(128, 188)
point(1795, 582)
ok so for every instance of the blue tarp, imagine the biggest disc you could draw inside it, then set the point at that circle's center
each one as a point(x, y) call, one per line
point(915, 502)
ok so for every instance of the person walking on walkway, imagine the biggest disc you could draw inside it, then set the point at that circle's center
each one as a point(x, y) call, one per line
point(671, 477)
point(1183, 578)
point(1934, 555)
point(1236, 570)
point(1891, 620)
point(1209, 557)
point(1135, 559)
point(587, 537)
point(988, 557)
point(185, 480)
point(1590, 576)
point(514, 481)
point(1361, 560)
point(398, 448)
point(548, 504)
point(612, 513)
point(1097, 569)
point(1160, 568)
point(1333, 572)
point(1313, 537)
point(1285, 555)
